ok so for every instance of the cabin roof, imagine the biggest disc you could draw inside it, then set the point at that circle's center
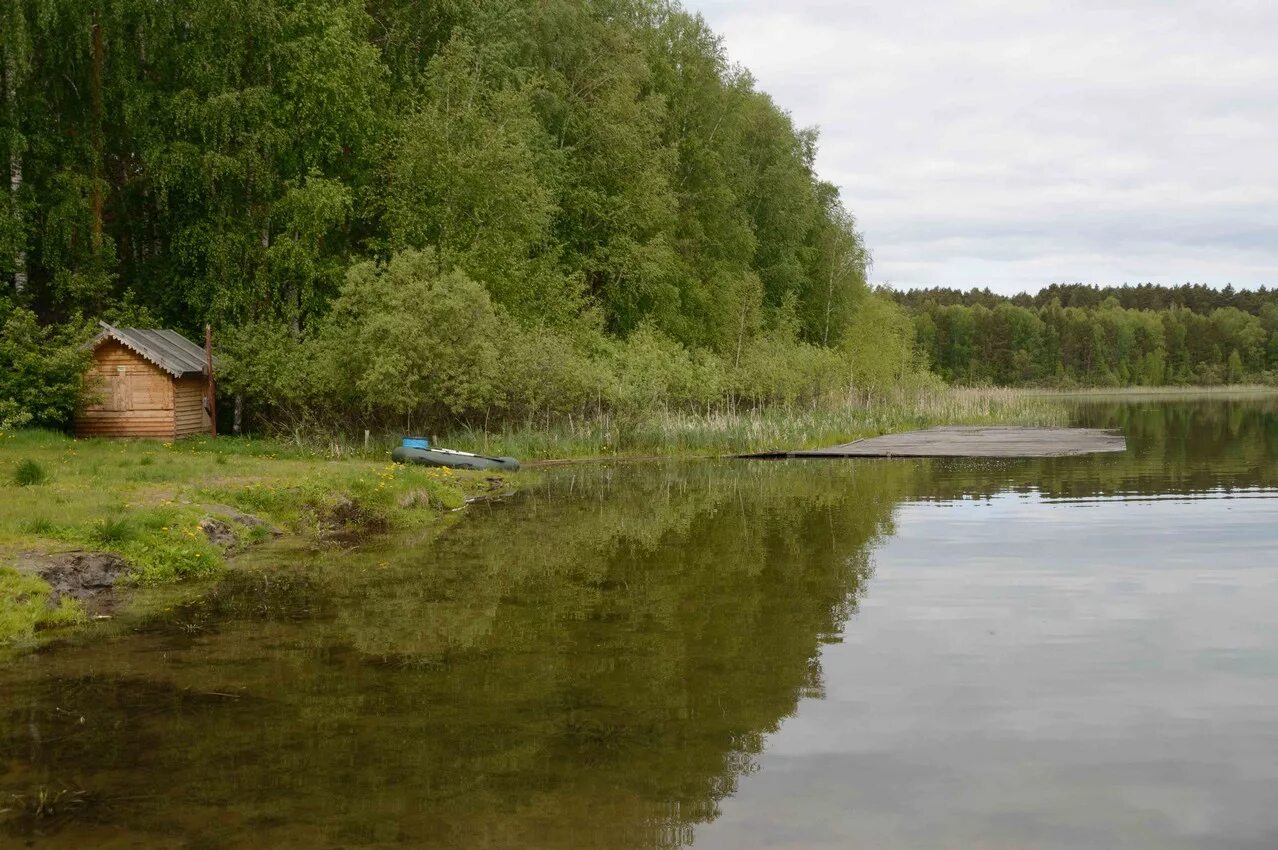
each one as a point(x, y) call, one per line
point(166, 349)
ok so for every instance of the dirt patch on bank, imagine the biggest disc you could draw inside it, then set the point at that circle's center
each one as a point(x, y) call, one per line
point(88, 577)
point(220, 527)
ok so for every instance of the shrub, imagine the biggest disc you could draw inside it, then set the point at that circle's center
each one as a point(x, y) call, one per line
point(406, 337)
point(880, 348)
point(42, 380)
point(546, 373)
point(650, 370)
point(29, 473)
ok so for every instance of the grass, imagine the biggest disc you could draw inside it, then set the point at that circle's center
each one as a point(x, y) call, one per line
point(25, 609)
point(112, 531)
point(144, 501)
point(28, 473)
point(40, 527)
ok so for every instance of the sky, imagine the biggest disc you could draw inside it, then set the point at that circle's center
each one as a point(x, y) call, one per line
point(1017, 144)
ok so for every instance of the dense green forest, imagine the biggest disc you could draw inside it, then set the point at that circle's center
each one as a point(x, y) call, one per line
point(452, 209)
point(475, 214)
point(1093, 336)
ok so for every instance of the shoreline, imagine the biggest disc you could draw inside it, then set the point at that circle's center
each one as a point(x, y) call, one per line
point(105, 517)
point(1185, 392)
point(168, 513)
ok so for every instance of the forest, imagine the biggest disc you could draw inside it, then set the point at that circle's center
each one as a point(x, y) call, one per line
point(477, 215)
point(1080, 335)
point(394, 212)
point(1142, 296)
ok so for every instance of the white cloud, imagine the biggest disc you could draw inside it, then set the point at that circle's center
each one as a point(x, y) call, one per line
point(1023, 143)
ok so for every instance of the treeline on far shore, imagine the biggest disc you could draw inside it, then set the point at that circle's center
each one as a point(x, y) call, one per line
point(1198, 297)
point(1091, 336)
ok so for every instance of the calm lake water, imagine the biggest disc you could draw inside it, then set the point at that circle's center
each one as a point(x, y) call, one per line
point(1070, 653)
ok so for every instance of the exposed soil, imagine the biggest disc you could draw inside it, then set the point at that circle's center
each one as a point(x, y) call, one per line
point(219, 528)
point(89, 577)
point(348, 521)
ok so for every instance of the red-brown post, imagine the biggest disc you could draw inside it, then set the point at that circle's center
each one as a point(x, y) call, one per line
point(208, 369)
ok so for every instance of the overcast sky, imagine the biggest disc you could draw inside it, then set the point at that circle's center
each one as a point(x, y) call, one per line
point(1016, 144)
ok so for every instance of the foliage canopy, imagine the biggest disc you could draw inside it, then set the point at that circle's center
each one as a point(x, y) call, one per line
point(579, 174)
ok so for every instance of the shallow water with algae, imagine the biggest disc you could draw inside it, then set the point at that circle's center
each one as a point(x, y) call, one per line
point(1060, 653)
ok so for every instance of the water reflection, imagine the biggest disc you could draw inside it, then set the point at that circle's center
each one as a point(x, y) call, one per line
point(1175, 449)
point(596, 663)
point(1094, 666)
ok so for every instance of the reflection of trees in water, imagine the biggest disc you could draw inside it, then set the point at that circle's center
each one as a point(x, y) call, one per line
point(594, 665)
point(1176, 448)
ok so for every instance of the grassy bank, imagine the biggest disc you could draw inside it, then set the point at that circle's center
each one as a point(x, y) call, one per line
point(155, 506)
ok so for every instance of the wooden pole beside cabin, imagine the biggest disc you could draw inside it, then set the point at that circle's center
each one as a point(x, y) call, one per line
point(208, 369)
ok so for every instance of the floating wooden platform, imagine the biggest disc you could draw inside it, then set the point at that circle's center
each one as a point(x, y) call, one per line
point(975, 441)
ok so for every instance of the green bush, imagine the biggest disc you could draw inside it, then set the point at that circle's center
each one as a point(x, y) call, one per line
point(880, 347)
point(42, 377)
point(547, 373)
point(406, 337)
point(777, 369)
point(649, 370)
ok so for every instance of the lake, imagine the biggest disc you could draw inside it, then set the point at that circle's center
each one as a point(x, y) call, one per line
point(1063, 653)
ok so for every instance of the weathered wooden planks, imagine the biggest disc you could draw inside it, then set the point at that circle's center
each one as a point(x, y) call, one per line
point(145, 383)
point(189, 414)
point(973, 441)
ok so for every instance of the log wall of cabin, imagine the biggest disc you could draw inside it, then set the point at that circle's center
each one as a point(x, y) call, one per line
point(189, 414)
point(133, 397)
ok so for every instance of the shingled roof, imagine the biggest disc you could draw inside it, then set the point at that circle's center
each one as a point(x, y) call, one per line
point(168, 350)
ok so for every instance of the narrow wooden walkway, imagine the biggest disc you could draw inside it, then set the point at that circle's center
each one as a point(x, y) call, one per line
point(975, 441)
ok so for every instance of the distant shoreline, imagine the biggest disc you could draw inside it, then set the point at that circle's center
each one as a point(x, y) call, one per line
point(1165, 391)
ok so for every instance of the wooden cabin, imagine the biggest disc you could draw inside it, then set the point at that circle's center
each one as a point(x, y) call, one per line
point(145, 383)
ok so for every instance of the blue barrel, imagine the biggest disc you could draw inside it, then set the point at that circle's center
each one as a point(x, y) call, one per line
point(416, 443)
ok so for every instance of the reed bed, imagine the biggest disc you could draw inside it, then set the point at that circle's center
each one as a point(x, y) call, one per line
point(725, 431)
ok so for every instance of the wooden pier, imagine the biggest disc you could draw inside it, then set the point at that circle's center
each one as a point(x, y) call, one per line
point(973, 441)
